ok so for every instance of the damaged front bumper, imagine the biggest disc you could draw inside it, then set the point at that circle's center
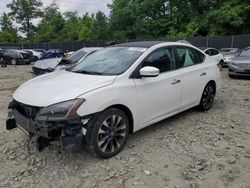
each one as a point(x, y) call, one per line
point(70, 132)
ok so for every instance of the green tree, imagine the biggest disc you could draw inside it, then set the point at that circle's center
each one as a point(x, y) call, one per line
point(71, 26)
point(51, 26)
point(86, 23)
point(8, 34)
point(100, 26)
point(23, 12)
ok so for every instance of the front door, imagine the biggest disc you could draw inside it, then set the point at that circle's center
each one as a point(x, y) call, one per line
point(161, 95)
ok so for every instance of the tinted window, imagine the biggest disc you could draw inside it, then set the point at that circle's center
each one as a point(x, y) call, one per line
point(207, 52)
point(214, 52)
point(161, 59)
point(188, 56)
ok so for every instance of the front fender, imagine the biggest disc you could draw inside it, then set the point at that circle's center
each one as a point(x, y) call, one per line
point(102, 98)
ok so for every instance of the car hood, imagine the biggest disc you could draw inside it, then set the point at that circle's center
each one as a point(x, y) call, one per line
point(59, 86)
point(47, 63)
point(241, 59)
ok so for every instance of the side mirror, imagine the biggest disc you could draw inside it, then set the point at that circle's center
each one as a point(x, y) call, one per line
point(149, 72)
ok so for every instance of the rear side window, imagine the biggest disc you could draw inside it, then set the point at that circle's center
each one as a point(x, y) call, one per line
point(161, 58)
point(207, 52)
point(214, 52)
point(187, 57)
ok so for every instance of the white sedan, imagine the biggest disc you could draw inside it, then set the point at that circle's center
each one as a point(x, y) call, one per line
point(113, 93)
point(214, 53)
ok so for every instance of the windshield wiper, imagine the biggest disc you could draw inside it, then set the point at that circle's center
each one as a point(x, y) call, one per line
point(88, 72)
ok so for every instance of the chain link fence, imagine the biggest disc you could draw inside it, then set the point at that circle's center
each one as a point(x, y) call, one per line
point(235, 41)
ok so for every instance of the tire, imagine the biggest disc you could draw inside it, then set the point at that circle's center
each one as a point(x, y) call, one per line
point(207, 97)
point(108, 139)
point(13, 62)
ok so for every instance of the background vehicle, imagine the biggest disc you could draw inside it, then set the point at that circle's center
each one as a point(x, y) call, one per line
point(49, 65)
point(240, 65)
point(40, 50)
point(1, 57)
point(229, 54)
point(15, 57)
point(113, 93)
point(214, 53)
point(52, 54)
point(1, 53)
point(37, 55)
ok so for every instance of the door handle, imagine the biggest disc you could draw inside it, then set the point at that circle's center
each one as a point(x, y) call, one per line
point(175, 81)
point(203, 74)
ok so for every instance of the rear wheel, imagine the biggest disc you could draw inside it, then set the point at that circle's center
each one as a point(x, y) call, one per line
point(110, 133)
point(207, 98)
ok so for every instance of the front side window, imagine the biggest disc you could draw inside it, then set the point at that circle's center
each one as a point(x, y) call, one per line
point(109, 61)
point(161, 58)
point(188, 56)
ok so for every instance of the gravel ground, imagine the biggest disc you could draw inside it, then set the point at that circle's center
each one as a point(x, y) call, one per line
point(190, 150)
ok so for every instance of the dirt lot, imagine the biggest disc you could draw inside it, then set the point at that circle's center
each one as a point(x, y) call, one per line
point(190, 150)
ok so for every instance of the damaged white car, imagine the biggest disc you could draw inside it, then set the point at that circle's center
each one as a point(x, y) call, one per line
point(113, 93)
point(49, 65)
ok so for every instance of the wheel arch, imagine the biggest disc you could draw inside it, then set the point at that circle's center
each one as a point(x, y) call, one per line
point(128, 113)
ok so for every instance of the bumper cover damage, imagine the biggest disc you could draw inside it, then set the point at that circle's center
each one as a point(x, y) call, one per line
point(69, 131)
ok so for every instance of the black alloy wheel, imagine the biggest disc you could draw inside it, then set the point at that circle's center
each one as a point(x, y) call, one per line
point(110, 133)
point(207, 98)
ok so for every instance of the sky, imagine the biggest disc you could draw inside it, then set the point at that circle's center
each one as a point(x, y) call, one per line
point(81, 6)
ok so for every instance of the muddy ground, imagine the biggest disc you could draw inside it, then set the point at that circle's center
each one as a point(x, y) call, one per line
point(190, 150)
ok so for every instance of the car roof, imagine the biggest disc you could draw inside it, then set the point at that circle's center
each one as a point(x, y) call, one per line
point(229, 48)
point(140, 44)
point(206, 48)
point(17, 50)
point(91, 49)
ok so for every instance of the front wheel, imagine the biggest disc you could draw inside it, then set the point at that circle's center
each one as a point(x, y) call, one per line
point(110, 133)
point(13, 62)
point(207, 97)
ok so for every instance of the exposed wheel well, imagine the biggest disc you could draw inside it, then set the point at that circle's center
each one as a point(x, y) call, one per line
point(128, 114)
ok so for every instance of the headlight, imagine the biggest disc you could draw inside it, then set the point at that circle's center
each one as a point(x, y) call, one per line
point(60, 110)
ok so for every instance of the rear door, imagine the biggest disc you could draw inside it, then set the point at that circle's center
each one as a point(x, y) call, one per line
point(161, 95)
point(193, 72)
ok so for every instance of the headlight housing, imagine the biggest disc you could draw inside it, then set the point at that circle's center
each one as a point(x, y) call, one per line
point(60, 110)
